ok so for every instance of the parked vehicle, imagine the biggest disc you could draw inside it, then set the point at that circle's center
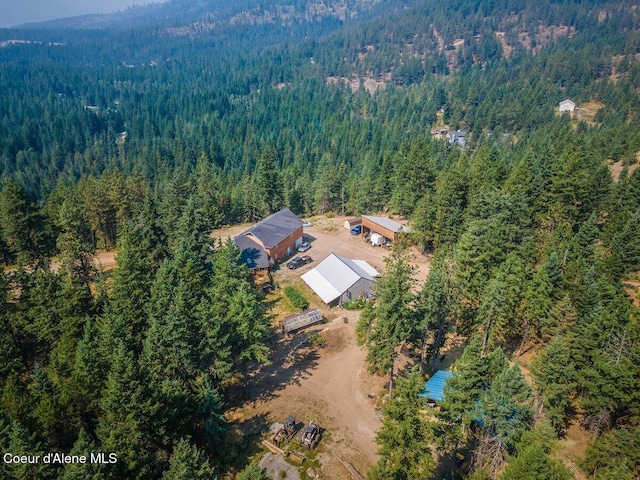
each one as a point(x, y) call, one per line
point(304, 247)
point(306, 259)
point(307, 224)
point(296, 262)
point(310, 435)
point(286, 432)
point(376, 240)
point(356, 230)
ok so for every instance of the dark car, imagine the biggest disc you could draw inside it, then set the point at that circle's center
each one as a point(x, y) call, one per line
point(298, 262)
point(295, 263)
point(356, 230)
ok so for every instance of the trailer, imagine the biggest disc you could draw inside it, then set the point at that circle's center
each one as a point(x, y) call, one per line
point(376, 239)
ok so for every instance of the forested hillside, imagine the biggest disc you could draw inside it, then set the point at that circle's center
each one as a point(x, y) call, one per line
point(142, 131)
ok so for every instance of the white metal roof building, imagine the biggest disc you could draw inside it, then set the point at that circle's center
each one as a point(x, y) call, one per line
point(339, 279)
point(566, 106)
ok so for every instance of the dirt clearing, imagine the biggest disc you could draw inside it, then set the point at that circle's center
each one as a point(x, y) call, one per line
point(327, 384)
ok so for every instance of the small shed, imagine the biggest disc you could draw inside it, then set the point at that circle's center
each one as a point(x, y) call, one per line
point(566, 106)
point(352, 222)
point(434, 388)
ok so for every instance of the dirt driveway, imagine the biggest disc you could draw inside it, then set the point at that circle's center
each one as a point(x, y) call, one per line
point(328, 384)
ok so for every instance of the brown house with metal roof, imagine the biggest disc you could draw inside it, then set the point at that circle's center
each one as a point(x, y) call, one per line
point(279, 235)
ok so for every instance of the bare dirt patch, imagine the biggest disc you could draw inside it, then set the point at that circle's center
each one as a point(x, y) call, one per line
point(617, 168)
point(105, 260)
point(506, 48)
point(275, 465)
point(327, 384)
point(102, 261)
point(574, 444)
point(587, 111)
point(633, 291)
point(371, 84)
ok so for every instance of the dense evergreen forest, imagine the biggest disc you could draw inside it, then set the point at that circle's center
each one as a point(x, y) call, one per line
point(144, 131)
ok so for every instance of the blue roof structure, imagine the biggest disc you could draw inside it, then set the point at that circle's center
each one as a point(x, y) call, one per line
point(434, 388)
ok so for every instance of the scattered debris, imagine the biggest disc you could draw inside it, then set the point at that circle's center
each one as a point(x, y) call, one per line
point(351, 469)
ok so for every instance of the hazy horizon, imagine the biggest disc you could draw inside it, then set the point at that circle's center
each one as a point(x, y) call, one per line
point(17, 13)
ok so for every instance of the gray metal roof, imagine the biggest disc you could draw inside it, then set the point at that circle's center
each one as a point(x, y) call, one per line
point(336, 274)
point(387, 223)
point(275, 228)
point(253, 255)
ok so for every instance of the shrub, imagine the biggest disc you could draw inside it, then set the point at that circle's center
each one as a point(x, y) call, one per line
point(296, 298)
point(357, 304)
point(315, 340)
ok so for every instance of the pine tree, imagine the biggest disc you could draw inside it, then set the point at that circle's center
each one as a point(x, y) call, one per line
point(85, 446)
point(433, 308)
point(269, 185)
point(75, 241)
point(208, 191)
point(253, 472)
point(22, 226)
point(503, 415)
point(532, 463)
point(187, 461)
point(471, 378)
point(389, 322)
point(10, 360)
point(126, 424)
point(23, 442)
point(404, 436)
point(504, 408)
point(615, 455)
point(554, 373)
point(501, 297)
point(139, 254)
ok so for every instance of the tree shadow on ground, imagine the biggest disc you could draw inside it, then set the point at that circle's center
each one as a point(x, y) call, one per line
point(243, 437)
point(293, 362)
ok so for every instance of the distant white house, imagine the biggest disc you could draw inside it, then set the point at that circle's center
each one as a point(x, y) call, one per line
point(567, 106)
